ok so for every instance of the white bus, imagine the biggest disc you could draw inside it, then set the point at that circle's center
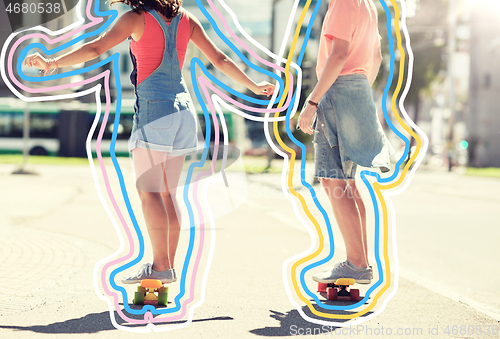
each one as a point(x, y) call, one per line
point(45, 127)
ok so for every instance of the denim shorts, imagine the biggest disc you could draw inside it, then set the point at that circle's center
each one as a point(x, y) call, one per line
point(165, 125)
point(347, 130)
point(327, 161)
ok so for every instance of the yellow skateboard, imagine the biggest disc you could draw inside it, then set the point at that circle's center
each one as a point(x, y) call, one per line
point(340, 290)
point(151, 292)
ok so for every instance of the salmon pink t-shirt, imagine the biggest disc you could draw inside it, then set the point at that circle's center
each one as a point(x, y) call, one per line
point(354, 21)
point(148, 50)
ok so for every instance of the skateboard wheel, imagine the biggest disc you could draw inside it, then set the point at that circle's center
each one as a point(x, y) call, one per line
point(162, 299)
point(354, 295)
point(139, 298)
point(331, 293)
point(322, 287)
point(141, 289)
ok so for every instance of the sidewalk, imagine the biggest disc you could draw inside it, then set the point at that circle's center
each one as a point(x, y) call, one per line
point(54, 229)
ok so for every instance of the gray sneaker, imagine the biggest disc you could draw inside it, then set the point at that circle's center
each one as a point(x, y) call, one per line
point(146, 272)
point(343, 270)
point(329, 268)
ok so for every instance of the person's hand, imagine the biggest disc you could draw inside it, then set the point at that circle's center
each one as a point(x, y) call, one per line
point(36, 60)
point(264, 88)
point(306, 119)
point(39, 61)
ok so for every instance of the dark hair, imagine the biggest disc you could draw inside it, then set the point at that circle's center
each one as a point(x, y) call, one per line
point(169, 8)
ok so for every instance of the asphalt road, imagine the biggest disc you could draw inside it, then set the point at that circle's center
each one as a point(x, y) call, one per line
point(448, 238)
point(54, 230)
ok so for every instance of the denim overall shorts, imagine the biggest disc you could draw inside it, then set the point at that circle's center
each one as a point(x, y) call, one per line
point(165, 118)
point(348, 132)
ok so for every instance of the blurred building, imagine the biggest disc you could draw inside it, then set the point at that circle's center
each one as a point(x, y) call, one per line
point(483, 121)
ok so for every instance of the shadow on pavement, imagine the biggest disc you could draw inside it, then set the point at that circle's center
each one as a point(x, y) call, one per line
point(91, 323)
point(292, 323)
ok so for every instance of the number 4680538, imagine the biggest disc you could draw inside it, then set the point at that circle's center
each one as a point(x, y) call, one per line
point(33, 8)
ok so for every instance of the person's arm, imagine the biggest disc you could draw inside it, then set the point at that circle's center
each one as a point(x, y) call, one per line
point(222, 62)
point(333, 66)
point(120, 31)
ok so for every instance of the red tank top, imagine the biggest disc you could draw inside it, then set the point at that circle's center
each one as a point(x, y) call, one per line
point(148, 51)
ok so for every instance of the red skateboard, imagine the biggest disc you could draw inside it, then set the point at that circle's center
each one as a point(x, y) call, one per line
point(340, 290)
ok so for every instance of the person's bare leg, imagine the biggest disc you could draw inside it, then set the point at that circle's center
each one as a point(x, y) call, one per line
point(172, 172)
point(157, 223)
point(348, 219)
point(160, 212)
point(362, 213)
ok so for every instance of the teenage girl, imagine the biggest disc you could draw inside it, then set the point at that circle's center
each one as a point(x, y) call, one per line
point(165, 123)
